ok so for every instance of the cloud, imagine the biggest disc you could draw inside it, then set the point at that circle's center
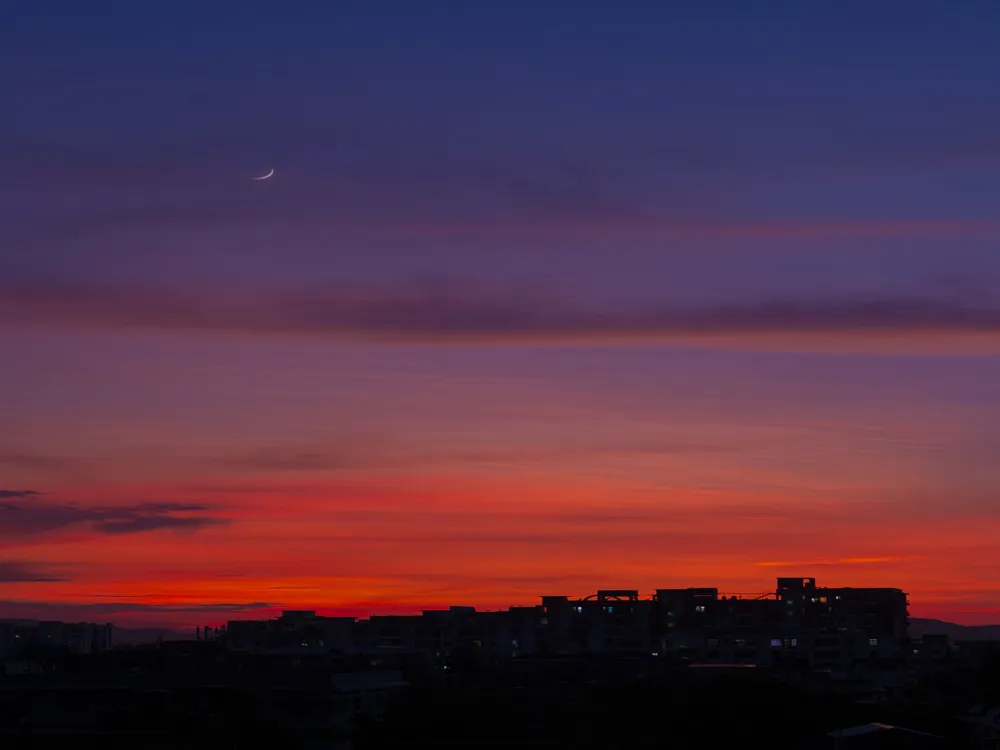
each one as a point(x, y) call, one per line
point(450, 314)
point(133, 612)
point(450, 183)
point(18, 494)
point(615, 534)
point(387, 182)
point(33, 462)
point(651, 228)
point(135, 525)
point(111, 608)
point(355, 451)
point(828, 563)
point(374, 451)
point(12, 571)
point(24, 519)
point(601, 517)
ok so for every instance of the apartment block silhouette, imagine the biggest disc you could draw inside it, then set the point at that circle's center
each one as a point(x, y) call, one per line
point(798, 625)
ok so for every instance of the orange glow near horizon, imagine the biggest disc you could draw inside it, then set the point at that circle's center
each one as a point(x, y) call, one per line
point(162, 485)
point(408, 543)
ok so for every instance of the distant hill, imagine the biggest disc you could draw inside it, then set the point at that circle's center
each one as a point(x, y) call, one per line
point(920, 626)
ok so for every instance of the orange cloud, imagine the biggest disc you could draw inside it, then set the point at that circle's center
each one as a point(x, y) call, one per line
point(826, 563)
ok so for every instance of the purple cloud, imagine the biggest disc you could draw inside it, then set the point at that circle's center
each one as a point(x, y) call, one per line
point(134, 611)
point(21, 519)
point(462, 315)
point(13, 571)
point(18, 494)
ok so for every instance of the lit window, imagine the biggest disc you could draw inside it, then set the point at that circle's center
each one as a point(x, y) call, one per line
point(700, 608)
point(795, 642)
point(873, 641)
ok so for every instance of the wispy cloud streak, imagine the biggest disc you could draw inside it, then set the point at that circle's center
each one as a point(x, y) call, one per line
point(409, 314)
point(19, 519)
point(14, 571)
point(18, 494)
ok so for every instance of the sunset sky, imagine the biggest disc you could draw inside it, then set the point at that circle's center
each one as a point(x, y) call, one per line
point(543, 297)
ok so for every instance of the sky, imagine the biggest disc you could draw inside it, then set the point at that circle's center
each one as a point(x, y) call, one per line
point(538, 301)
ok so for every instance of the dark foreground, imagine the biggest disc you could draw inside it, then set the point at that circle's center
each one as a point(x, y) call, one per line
point(199, 697)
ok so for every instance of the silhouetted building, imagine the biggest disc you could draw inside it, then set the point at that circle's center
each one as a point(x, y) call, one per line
point(931, 650)
point(294, 631)
point(983, 727)
point(24, 636)
point(977, 654)
point(800, 625)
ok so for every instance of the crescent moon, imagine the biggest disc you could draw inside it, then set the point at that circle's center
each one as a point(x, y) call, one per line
point(268, 175)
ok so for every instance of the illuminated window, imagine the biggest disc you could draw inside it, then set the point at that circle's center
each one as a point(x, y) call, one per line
point(795, 642)
point(700, 608)
point(873, 641)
